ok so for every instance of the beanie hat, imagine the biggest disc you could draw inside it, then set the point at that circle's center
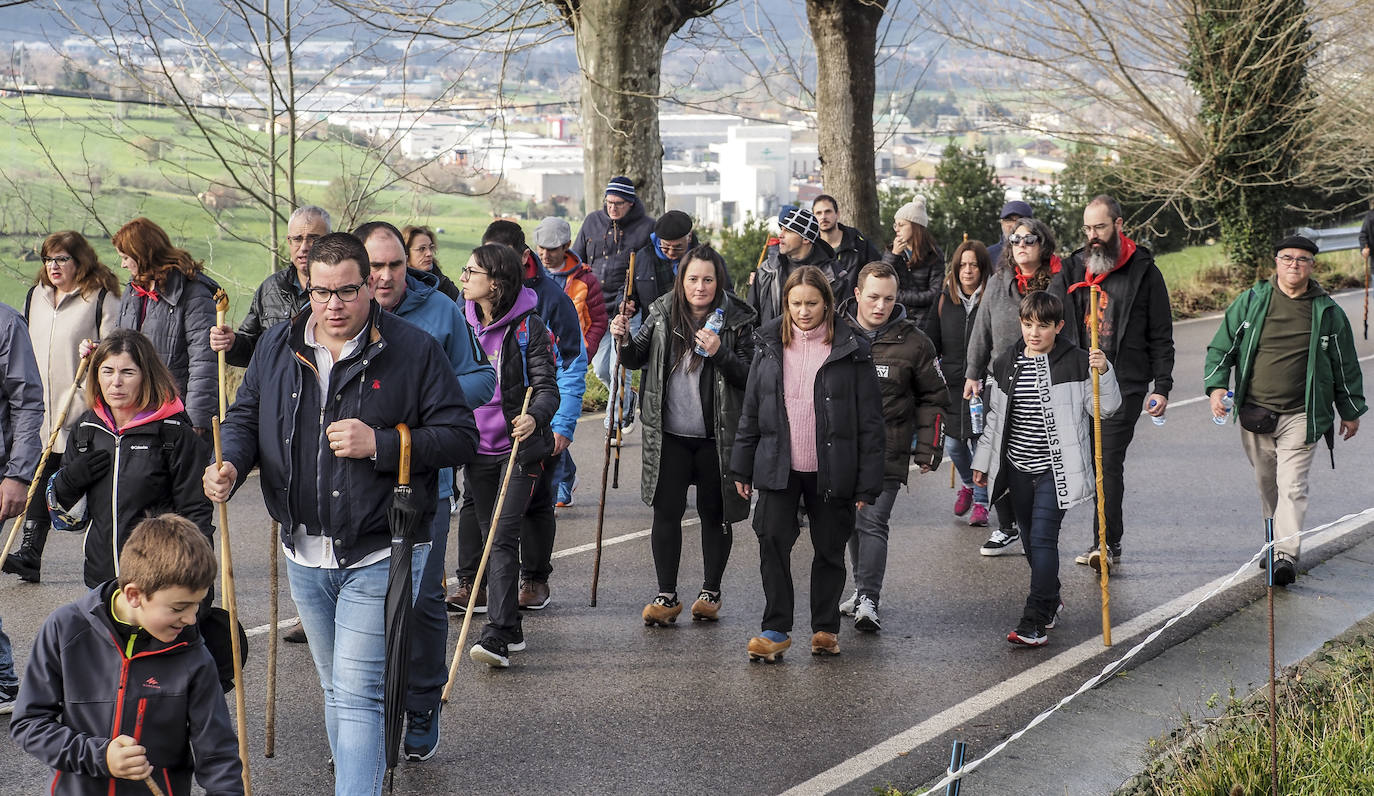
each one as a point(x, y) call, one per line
point(672, 225)
point(914, 212)
point(552, 232)
point(803, 223)
point(1296, 242)
point(622, 186)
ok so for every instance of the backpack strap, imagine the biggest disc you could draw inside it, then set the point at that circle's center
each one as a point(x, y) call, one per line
point(99, 310)
point(28, 302)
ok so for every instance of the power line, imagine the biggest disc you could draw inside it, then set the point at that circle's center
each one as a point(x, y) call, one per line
point(156, 103)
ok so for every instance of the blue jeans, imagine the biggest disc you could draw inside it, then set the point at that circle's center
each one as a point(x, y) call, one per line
point(342, 611)
point(960, 453)
point(1038, 515)
point(429, 625)
point(7, 676)
point(564, 472)
point(604, 363)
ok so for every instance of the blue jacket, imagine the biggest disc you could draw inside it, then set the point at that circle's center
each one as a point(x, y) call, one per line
point(399, 376)
point(558, 313)
point(21, 399)
point(437, 314)
point(82, 688)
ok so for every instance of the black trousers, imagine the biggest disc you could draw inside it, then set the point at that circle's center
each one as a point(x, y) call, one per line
point(683, 462)
point(775, 522)
point(539, 527)
point(483, 486)
point(1117, 433)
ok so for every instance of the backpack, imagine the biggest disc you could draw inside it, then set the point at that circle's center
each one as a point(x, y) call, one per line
point(99, 307)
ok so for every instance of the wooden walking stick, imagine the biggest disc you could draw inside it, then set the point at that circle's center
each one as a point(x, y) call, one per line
point(34, 485)
point(226, 576)
point(221, 312)
point(486, 554)
point(152, 786)
point(1103, 554)
point(1367, 266)
point(270, 740)
point(1273, 674)
point(619, 375)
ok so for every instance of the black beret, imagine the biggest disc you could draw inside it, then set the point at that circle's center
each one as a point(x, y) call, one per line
point(1296, 242)
point(672, 225)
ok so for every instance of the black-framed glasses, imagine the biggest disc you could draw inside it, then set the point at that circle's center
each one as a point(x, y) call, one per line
point(672, 248)
point(60, 262)
point(297, 240)
point(617, 203)
point(470, 271)
point(1029, 239)
point(1288, 259)
point(347, 293)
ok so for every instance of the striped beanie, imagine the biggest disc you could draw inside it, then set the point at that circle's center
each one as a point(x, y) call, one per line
point(622, 186)
point(803, 223)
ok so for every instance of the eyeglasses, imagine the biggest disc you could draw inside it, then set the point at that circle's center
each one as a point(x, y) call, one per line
point(672, 248)
point(470, 271)
point(1089, 229)
point(427, 249)
point(617, 203)
point(60, 262)
point(1288, 259)
point(297, 240)
point(1029, 239)
point(323, 295)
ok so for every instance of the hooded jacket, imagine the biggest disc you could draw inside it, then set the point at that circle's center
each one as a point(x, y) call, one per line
point(528, 365)
point(277, 422)
point(723, 378)
point(1065, 391)
point(155, 466)
point(655, 273)
point(765, 292)
point(56, 329)
point(914, 396)
point(559, 315)
point(277, 299)
point(1334, 385)
point(427, 308)
point(82, 688)
point(950, 328)
point(606, 245)
point(178, 324)
point(582, 287)
point(444, 285)
point(918, 284)
point(21, 399)
point(849, 420)
point(1136, 325)
point(997, 325)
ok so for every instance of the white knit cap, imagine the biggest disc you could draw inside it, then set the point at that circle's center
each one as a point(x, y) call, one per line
point(914, 212)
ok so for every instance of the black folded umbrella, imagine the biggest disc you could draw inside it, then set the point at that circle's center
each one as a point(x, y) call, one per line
point(403, 517)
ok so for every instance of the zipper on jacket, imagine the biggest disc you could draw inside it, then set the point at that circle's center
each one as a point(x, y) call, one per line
point(114, 504)
point(138, 720)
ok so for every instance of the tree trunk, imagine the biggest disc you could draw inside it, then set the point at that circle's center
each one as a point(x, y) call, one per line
point(845, 33)
point(620, 50)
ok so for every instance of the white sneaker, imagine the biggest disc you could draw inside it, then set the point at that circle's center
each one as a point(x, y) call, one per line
point(866, 615)
point(1000, 543)
point(847, 607)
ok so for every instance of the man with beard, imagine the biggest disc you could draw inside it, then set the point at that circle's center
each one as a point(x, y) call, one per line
point(852, 250)
point(1136, 332)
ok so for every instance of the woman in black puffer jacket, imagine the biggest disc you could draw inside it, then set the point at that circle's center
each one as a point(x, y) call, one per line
point(918, 261)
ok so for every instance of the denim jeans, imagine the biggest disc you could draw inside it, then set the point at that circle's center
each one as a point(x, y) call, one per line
point(604, 363)
point(960, 453)
point(1038, 515)
point(343, 612)
point(565, 472)
point(868, 545)
point(429, 625)
point(7, 675)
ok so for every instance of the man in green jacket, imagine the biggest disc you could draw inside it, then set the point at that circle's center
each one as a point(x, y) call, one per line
point(1296, 369)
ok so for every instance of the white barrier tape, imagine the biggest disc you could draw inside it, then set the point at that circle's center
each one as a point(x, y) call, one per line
point(1114, 666)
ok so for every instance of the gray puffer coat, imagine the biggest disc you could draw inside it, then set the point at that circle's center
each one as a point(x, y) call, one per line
point(178, 323)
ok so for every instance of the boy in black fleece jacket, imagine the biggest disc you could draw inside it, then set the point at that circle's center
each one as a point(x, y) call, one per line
point(120, 687)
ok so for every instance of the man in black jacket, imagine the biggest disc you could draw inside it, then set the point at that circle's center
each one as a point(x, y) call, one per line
point(799, 243)
point(852, 250)
point(1367, 233)
point(1136, 331)
point(280, 295)
point(317, 412)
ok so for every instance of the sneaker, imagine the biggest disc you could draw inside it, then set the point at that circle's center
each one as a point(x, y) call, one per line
point(461, 595)
point(1054, 620)
point(1087, 558)
point(534, 596)
point(295, 635)
point(1284, 571)
point(866, 615)
point(422, 734)
point(707, 607)
point(491, 652)
point(766, 649)
point(1028, 634)
point(662, 611)
point(565, 493)
point(979, 517)
point(963, 501)
point(847, 607)
point(518, 645)
point(823, 643)
point(1095, 559)
point(8, 694)
point(1000, 542)
point(627, 422)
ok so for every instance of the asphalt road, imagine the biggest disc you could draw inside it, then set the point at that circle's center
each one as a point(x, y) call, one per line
point(600, 704)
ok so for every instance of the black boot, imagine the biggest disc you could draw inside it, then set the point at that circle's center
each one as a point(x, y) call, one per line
point(26, 561)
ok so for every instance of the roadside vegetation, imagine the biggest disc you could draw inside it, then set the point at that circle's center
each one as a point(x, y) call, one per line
point(1200, 281)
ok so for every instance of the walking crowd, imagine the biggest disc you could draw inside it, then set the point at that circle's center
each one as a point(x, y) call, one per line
point(810, 393)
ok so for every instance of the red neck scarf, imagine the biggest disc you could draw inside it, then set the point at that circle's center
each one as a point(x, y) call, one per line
point(1023, 280)
point(147, 293)
point(1091, 280)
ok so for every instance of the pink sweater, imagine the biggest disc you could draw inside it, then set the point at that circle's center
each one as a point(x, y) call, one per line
point(801, 360)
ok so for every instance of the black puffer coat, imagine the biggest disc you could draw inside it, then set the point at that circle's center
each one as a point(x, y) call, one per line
point(919, 283)
point(854, 252)
point(849, 420)
point(723, 379)
point(606, 245)
point(277, 299)
point(178, 324)
point(949, 328)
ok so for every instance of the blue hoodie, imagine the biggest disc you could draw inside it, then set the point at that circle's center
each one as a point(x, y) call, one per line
point(437, 314)
point(559, 314)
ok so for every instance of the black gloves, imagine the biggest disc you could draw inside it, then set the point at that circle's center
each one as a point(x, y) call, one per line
point(77, 476)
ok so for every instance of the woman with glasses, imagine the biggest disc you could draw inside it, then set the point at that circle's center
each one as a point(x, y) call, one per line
point(1028, 263)
point(75, 297)
point(171, 301)
point(502, 313)
point(422, 254)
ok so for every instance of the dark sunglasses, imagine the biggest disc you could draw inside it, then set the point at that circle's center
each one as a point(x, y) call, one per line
point(1030, 239)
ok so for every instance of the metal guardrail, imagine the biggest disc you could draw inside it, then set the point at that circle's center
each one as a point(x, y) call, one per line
point(1333, 240)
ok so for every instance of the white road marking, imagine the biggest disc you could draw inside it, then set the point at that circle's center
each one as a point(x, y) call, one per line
point(904, 742)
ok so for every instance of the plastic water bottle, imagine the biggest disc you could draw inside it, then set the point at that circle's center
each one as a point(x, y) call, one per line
point(1227, 401)
point(1158, 420)
point(713, 325)
point(975, 414)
